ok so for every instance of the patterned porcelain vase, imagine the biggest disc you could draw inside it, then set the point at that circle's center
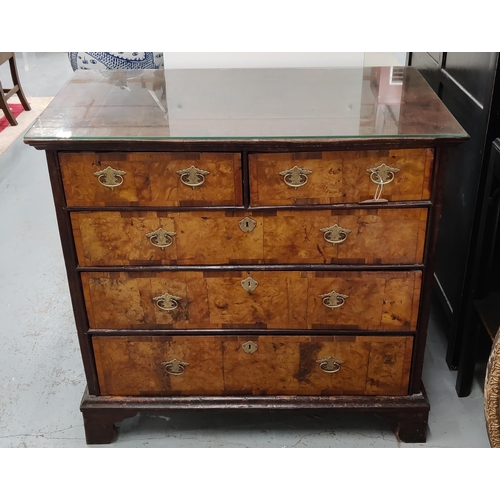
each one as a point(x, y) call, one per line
point(116, 60)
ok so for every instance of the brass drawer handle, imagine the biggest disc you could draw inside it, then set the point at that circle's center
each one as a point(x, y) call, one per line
point(167, 302)
point(160, 238)
point(329, 365)
point(333, 299)
point(109, 177)
point(381, 175)
point(335, 234)
point(192, 176)
point(295, 177)
point(175, 367)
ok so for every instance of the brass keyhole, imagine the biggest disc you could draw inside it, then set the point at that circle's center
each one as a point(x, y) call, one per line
point(249, 284)
point(247, 225)
point(249, 347)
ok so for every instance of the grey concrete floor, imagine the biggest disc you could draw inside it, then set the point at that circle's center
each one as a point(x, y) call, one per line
point(41, 374)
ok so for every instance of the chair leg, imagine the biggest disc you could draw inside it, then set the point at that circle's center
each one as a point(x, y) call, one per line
point(15, 81)
point(5, 108)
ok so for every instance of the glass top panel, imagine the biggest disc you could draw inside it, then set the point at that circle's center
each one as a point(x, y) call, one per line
point(392, 102)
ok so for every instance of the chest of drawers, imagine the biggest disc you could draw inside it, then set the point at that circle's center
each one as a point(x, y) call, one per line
point(243, 254)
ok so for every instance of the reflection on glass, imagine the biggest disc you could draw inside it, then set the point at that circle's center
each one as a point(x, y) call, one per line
point(245, 104)
point(264, 102)
point(381, 100)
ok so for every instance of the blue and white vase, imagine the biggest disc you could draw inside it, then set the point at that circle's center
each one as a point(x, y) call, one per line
point(116, 60)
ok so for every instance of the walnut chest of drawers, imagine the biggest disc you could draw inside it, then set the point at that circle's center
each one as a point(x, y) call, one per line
point(249, 239)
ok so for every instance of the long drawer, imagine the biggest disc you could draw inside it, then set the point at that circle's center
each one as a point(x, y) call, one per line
point(259, 299)
point(300, 365)
point(151, 179)
point(385, 236)
point(339, 176)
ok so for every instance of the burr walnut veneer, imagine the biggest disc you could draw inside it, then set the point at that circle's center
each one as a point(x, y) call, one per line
point(249, 239)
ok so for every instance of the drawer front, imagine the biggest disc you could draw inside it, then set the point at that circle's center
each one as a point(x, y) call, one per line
point(301, 365)
point(282, 300)
point(151, 179)
point(164, 238)
point(137, 366)
point(383, 236)
point(339, 176)
point(345, 236)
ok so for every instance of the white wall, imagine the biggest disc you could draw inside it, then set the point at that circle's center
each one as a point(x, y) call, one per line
point(262, 59)
point(177, 60)
point(256, 102)
point(385, 58)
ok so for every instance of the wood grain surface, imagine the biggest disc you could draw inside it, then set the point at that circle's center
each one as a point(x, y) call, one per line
point(376, 237)
point(282, 300)
point(387, 236)
point(151, 179)
point(202, 238)
point(132, 366)
point(339, 176)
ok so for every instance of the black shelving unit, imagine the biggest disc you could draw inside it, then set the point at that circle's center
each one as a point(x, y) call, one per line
point(468, 84)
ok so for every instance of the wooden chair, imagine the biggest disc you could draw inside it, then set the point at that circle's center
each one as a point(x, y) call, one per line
point(5, 94)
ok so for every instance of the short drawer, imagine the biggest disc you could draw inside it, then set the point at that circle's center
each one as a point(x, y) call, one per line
point(151, 179)
point(339, 177)
point(369, 300)
point(302, 365)
point(386, 236)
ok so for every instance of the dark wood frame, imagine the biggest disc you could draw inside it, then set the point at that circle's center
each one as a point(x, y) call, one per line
point(408, 413)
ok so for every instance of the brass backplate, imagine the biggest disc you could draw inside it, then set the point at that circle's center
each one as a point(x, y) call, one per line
point(296, 176)
point(193, 176)
point(110, 177)
point(333, 299)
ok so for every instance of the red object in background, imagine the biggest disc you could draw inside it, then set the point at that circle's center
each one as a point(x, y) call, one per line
point(16, 109)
